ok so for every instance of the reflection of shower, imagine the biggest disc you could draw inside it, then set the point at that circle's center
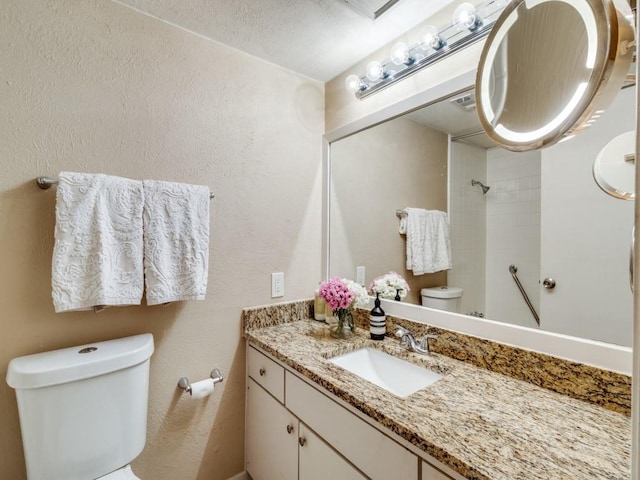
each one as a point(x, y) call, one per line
point(484, 188)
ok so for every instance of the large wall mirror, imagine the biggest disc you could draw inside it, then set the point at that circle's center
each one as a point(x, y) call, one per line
point(543, 213)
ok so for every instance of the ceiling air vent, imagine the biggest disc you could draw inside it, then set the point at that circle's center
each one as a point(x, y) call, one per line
point(370, 8)
point(466, 102)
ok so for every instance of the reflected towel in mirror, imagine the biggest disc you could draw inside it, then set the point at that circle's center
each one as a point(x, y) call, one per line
point(428, 242)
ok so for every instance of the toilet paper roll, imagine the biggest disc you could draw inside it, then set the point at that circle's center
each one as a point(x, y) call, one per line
point(202, 389)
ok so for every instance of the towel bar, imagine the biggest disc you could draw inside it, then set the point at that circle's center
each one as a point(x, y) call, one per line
point(45, 183)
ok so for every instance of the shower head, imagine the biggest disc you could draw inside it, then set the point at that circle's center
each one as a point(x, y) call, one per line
point(484, 188)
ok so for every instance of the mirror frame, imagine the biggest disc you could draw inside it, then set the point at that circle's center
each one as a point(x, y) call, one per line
point(598, 354)
point(611, 54)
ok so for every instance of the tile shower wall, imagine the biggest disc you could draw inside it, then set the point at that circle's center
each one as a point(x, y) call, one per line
point(490, 232)
point(513, 234)
point(468, 210)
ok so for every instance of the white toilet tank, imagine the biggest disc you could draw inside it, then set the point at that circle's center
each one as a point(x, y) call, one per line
point(442, 298)
point(83, 410)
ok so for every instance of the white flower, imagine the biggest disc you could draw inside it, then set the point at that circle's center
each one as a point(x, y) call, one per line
point(362, 296)
point(389, 285)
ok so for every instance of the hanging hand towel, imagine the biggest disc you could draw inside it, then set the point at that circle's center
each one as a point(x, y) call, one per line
point(428, 244)
point(176, 241)
point(97, 255)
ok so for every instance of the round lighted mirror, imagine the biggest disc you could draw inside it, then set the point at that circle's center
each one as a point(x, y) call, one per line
point(614, 168)
point(549, 67)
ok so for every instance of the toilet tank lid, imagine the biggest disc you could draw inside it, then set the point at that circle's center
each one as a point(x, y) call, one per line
point(76, 363)
point(441, 292)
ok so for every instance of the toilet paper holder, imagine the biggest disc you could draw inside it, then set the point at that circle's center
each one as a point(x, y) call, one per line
point(215, 375)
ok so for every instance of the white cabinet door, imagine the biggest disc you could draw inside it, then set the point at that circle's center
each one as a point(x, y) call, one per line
point(319, 462)
point(271, 437)
point(375, 454)
point(432, 473)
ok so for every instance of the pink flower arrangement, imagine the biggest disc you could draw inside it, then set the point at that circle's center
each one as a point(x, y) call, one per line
point(336, 294)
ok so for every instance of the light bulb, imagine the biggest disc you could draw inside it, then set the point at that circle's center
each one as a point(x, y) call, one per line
point(430, 38)
point(466, 18)
point(375, 71)
point(353, 84)
point(400, 54)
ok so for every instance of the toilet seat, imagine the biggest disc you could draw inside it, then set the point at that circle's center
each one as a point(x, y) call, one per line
point(124, 473)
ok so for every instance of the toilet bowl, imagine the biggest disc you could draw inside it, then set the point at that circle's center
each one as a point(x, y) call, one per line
point(124, 473)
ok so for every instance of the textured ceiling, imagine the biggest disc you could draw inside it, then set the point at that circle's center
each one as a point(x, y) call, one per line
point(317, 38)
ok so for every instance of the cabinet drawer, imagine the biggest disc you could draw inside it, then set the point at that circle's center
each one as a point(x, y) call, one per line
point(371, 451)
point(266, 372)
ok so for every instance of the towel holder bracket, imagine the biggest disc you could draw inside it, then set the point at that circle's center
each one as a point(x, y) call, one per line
point(45, 183)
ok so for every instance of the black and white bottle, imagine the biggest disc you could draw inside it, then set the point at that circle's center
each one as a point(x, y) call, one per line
point(377, 321)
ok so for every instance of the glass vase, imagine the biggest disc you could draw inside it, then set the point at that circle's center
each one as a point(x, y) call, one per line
point(345, 327)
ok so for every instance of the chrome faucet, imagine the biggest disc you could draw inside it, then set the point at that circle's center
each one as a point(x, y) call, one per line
point(408, 341)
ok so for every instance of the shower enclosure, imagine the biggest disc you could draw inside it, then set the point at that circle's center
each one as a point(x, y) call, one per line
point(544, 214)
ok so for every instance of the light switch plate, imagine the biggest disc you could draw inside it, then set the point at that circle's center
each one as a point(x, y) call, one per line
point(277, 285)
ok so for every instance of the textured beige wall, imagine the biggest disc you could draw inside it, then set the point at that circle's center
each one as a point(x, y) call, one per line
point(375, 172)
point(93, 86)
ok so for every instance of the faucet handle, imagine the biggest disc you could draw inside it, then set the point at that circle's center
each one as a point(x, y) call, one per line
point(401, 331)
point(424, 342)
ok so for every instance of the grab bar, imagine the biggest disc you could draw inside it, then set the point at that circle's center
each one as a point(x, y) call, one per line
point(513, 270)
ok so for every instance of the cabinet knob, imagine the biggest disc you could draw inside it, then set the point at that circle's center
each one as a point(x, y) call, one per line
point(302, 441)
point(262, 371)
point(289, 428)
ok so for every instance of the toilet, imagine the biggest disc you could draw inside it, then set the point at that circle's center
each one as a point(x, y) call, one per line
point(442, 298)
point(83, 410)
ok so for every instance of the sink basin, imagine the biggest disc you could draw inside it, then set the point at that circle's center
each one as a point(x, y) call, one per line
point(395, 375)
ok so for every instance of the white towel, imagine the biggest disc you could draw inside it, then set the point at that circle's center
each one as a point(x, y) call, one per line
point(97, 255)
point(176, 241)
point(428, 244)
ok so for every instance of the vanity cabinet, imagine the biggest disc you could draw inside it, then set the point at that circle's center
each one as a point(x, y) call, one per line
point(278, 445)
point(308, 435)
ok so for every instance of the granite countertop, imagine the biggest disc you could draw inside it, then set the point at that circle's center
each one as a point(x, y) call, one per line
point(481, 424)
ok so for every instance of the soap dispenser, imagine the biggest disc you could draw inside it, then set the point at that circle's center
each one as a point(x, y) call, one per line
point(377, 321)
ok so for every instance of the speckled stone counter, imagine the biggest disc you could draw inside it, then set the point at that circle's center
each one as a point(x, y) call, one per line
point(481, 424)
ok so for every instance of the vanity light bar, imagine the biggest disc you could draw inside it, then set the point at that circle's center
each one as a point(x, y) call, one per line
point(469, 25)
